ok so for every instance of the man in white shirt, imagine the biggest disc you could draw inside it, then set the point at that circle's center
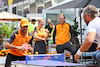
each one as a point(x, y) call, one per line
point(90, 15)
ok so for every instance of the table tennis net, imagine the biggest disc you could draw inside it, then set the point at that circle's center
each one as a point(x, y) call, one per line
point(54, 57)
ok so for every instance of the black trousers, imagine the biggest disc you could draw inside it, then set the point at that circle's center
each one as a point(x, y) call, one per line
point(11, 57)
point(66, 46)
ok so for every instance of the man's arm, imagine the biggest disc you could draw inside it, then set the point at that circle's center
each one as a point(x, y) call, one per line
point(87, 43)
point(47, 34)
point(8, 44)
point(72, 33)
point(54, 34)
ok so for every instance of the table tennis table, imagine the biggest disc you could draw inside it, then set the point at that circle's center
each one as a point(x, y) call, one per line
point(45, 63)
point(45, 60)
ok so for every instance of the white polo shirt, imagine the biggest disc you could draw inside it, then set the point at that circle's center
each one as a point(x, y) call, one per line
point(94, 26)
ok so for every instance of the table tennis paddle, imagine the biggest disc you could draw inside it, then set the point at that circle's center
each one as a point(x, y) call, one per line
point(26, 46)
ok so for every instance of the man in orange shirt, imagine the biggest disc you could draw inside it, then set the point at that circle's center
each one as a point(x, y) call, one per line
point(63, 39)
point(14, 43)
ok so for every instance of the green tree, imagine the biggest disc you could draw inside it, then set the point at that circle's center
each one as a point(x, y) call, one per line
point(6, 29)
point(76, 32)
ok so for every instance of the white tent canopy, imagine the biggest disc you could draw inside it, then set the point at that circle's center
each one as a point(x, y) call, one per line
point(76, 4)
point(10, 17)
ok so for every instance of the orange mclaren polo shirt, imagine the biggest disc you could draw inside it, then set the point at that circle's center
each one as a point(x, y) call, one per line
point(62, 33)
point(17, 39)
point(40, 33)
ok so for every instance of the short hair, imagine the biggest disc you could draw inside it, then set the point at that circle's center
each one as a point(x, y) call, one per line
point(39, 20)
point(33, 19)
point(62, 15)
point(49, 19)
point(91, 11)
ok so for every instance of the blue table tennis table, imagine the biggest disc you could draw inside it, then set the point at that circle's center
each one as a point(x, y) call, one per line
point(45, 60)
point(45, 63)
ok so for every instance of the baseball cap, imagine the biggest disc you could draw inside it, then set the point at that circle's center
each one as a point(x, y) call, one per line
point(24, 22)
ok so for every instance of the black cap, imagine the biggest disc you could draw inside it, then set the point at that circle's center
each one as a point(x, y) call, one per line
point(33, 20)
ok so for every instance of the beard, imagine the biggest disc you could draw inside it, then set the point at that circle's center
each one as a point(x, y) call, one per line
point(86, 21)
point(24, 30)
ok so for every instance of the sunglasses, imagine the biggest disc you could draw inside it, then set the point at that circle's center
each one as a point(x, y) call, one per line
point(25, 26)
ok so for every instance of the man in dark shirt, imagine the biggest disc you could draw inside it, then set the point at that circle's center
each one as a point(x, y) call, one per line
point(50, 29)
point(48, 26)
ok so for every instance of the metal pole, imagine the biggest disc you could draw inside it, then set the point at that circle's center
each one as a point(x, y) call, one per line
point(29, 6)
point(22, 8)
point(80, 25)
point(36, 6)
point(44, 4)
point(17, 14)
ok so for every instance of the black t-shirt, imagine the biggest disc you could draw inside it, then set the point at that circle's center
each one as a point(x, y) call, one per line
point(48, 27)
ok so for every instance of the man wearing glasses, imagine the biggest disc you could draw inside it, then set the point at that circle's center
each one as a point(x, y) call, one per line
point(14, 43)
point(63, 39)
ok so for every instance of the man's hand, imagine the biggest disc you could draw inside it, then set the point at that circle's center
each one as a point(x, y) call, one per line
point(54, 45)
point(76, 57)
point(21, 48)
point(44, 39)
point(98, 47)
point(30, 48)
point(46, 30)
